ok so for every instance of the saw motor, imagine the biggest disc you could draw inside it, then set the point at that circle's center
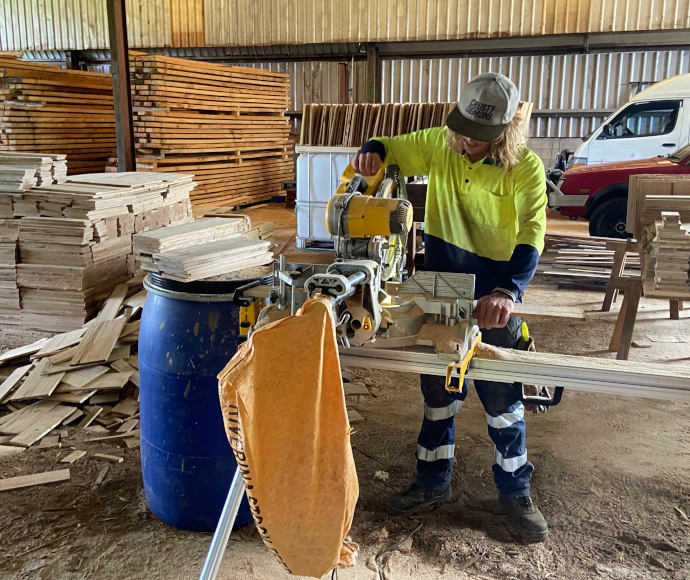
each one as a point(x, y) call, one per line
point(370, 235)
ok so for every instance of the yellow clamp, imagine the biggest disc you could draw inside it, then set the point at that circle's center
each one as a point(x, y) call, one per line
point(248, 316)
point(461, 367)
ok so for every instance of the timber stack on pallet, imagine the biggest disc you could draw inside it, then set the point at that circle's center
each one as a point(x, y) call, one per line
point(225, 125)
point(74, 243)
point(579, 261)
point(48, 109)
point(206, 248)
point(87, 378)
point(331, 125)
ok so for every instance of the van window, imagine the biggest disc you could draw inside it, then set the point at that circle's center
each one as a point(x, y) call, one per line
point(643, 120)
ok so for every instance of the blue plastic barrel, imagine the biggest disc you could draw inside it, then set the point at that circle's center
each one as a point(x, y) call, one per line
point(188, 334)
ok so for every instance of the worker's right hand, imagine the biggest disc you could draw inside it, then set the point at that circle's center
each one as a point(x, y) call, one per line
point(366, 163)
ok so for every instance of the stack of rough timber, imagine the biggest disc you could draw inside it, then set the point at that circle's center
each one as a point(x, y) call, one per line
point(47, 109)
point(669, 266)
point(75, 245)
point(579, 261)
point(86, 378)
point(225, 125)
point(330, 125)
point(206, 248)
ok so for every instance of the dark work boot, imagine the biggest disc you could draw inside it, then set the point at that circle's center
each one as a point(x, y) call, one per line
point(524, 518)
point(416, 499)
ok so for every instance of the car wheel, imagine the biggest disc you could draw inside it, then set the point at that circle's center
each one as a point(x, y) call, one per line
point(608, 219)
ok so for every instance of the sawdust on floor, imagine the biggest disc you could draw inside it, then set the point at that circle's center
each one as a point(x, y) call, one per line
point(611, 478)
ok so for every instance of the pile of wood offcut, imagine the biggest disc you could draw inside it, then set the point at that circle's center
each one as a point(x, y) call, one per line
point(68, 244)
point(206, 248)
point(225, 125)
point(87, 378)
point(48, 109)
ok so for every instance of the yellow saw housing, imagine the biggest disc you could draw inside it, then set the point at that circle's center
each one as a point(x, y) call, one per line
point(353, 215)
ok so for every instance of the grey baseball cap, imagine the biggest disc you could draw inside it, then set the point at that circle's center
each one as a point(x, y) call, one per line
point(487, 104)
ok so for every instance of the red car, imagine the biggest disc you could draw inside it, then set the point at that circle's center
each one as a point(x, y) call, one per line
point(600, 192)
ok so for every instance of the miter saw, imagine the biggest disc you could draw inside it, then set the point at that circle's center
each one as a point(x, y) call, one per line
point(369, 219)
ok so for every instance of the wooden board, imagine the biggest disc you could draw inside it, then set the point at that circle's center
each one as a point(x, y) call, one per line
point(37, 385)
point(527, 310)
point(113, 458)
point(13, 380)
point(34, 479)
point(90, 415)
point(72, 457)
point(42, 426)
point(82, 377)
point(98, 342)
point(22, 351)
point(112, 305)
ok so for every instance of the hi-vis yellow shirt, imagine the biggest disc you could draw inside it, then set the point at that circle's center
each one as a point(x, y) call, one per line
point(479, 207)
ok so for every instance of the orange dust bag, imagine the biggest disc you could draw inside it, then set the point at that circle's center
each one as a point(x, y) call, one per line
point(284, 411)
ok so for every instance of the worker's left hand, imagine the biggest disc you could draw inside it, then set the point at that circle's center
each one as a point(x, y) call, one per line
point(493, 310)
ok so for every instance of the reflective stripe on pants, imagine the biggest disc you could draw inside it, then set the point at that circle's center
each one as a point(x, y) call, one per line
point(505, 420)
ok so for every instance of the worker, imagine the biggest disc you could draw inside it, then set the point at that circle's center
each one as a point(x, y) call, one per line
point(485, 215)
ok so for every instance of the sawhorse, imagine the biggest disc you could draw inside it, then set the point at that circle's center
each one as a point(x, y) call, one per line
point(632, 292)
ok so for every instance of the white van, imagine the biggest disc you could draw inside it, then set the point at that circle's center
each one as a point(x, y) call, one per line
point(656, 121)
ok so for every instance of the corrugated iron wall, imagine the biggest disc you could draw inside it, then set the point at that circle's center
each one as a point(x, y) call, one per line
point(82, 24)
point(187, 23)
point(148, 23)
point(247, 22)
point(571, 93)
point(53, 24)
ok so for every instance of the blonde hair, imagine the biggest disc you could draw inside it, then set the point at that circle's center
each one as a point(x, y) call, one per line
point(507, 150)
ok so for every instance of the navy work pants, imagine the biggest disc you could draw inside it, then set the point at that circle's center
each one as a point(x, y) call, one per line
point(504, 415)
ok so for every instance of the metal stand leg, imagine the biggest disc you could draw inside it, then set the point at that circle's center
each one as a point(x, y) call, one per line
point(223, 529)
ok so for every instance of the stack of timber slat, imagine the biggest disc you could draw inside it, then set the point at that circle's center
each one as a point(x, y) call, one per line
point(19, 173)
point(225, 125)
point(48, 109)
point(668, 271)
point(331, 125)
point(74, 244)
point(87, 378)
point(648, 197)
point(206, 248)
point(580, 261)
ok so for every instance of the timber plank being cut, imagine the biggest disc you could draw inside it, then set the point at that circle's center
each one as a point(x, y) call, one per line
point(527, 310)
